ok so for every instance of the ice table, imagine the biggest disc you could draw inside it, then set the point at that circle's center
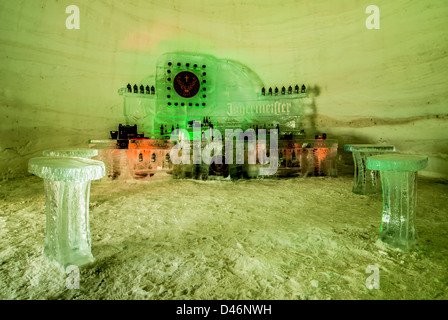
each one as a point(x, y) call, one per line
point(399, 180)
point(82, 153)
point(67, 192)
point(366, 181)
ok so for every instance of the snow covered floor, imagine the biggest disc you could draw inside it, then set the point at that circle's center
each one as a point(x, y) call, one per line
point(305, 238)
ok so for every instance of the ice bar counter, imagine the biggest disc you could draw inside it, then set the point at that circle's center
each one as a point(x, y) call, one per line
point(82, 153)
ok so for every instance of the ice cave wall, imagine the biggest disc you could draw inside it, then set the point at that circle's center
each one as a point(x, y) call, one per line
point(59, 86)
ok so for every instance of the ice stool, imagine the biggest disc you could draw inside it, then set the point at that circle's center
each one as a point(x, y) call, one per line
point(366, 181)
point(399, 180)
point(82, 153)
point(67, 192)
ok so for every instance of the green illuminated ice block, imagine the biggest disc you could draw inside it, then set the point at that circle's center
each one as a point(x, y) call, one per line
point(82, 153)
point(399, 180)
point(67, 190)
point(366, 181)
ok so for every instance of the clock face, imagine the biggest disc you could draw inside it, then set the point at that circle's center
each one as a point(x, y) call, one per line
point(186, 84)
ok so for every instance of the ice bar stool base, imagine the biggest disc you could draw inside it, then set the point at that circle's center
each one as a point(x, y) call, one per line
point(399, 180)
point(82, 153)
point(67, 192)
point(366, 181)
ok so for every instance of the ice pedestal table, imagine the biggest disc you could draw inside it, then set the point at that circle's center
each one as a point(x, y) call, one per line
point(67, 192)
point(366, 181)
point(399, 180)
point(82, 153)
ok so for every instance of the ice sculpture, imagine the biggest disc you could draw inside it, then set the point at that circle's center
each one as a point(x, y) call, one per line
point(67, 191)
point(399, 180)
point(82, 153)
point(366, 181)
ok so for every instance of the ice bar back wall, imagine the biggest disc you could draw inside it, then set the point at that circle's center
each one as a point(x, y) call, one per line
point(59, 86)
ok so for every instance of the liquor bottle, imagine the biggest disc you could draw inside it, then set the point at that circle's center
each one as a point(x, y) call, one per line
point(270, 91)
point(296, 89)
point(147, 90)
point(135, 88)
point(289, 90)
point(153, 90)
point(129, 87)
point(283, 90)
point(303, 88)
point(276, 91)
point(142, 89)
point(263, 91)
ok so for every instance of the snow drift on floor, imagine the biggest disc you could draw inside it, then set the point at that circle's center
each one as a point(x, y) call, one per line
point(303, 238)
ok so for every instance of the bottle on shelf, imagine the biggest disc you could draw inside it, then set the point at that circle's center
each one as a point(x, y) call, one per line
point(147, 90)
point(135, 88)
point(142, 89)
point(263, 91)
point(129, 87)
point(276, 91)
point(289, 90)
point(153, 90)
point(296, 89)
point(283, 90)
point(303, 88)
point(270, 91)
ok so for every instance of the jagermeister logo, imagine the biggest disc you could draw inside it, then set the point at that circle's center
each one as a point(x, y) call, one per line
point(261, 108)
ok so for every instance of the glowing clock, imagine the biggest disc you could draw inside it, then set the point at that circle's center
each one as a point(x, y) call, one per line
point(186, 84)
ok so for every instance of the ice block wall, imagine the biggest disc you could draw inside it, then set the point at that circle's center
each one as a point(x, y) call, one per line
point(59, 87)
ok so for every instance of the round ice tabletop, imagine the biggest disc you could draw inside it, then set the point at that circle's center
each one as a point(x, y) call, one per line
point(397, 162)
point(368, 147)
point(83, 153)
point(66, 169)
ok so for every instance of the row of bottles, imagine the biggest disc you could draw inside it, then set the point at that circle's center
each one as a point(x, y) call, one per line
point(297, 89)
point(266, 127)
point(143, 90)
point(164, 129)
